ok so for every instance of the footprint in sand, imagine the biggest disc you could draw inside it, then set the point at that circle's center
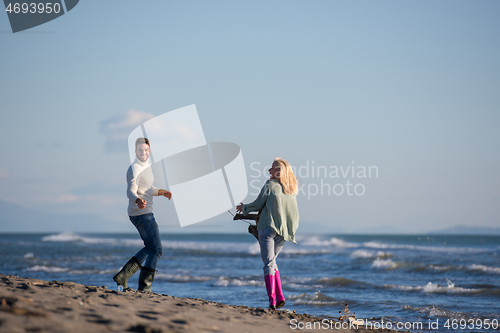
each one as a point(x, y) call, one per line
point(148, 314)
point(97, 319)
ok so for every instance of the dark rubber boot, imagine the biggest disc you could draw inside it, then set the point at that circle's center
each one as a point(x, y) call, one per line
point(126, 272)
point(146, 279)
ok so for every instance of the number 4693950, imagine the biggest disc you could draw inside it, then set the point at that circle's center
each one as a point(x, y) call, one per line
point(471, 324)
point(33, 8)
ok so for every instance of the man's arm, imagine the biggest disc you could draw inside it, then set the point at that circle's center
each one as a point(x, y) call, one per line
point(132, 189)
point(165, 193)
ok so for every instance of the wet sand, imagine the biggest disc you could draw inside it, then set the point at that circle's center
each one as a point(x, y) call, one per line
point(29, 305)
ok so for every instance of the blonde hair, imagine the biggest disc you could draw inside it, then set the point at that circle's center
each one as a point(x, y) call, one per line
point(287, 178)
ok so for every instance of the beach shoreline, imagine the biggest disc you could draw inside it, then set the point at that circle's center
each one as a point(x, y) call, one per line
point(31, 305)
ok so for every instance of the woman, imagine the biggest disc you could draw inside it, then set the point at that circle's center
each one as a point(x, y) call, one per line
point(279, 219)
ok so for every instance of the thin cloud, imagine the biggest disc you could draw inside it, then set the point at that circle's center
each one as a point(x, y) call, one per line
point(117, 128)
point(94, 199)
point(57, 199)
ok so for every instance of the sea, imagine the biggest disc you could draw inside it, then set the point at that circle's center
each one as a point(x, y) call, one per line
point(420, 283)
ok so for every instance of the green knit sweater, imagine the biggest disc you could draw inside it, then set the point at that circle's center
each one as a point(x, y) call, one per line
point(279, 210)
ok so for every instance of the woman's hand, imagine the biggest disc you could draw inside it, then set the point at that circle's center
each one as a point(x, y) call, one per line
point(239, 208)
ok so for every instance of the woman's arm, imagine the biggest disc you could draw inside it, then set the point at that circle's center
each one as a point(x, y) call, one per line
point(258, 203)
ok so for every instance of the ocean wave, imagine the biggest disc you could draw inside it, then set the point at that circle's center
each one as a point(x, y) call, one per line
point(224, 248)
point(438, 289)
point(443, 268)
point(93, 271)
point(473, 267)
point(29, 255)
point(219, 247)
point(361, 254)
point(434, 311)
point(55, 269)
point(384, 263)
point(318, 298)
point(41, 268)
point(332, 242)
point(308, 252)
point(299, 279)
point(404, 288)
point(181, 278)
point(377, 245)
point(207, 247)
point(223, 281)
point(364, 254)
point(487, 269)
point(72, 237)
point(62, 237)
point(301, 283)
point(337, 281)
point(233, 247)
point(254, 249)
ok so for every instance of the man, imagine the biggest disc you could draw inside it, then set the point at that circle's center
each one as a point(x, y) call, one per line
point(140, 191)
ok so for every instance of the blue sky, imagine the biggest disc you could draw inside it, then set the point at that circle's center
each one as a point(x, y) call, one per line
point(409, 87)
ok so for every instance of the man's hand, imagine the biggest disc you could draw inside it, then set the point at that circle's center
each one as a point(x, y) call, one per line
point(239, 208)
point(141, 203)
point(166, 194)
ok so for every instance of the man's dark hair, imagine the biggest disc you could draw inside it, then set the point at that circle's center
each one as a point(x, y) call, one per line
point(140, 141)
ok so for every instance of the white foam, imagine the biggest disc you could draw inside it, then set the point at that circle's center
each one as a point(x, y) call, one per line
point(218, 247)
point(487, 269)
point(28, 255)
point(62, 237)
point(438, 312)
point(221, 247)
point(342, 244)
point(182, 245)
point(364, 254)
point(72, 237)
point(226, 281)
point(384, 263)
point(47, 269)
point(361, 254)
point(254, 248)
point(181, 277)
point(332, 242)
point(87, 271)
point(449, 288)
point(432, 288)
point(435, 288)
point(295, 250)
point(442, 268)
point(377, 245)
point(404, 288)
point(130, 242)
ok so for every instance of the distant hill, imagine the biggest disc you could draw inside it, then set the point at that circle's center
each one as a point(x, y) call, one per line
point(15, 218)
point(466, 230)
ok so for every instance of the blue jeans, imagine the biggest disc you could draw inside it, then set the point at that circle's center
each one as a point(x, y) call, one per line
point(270, 246)
point(148, 229)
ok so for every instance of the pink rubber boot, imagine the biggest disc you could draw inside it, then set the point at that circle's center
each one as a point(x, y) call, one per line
point(270, 287)
point(280, 299)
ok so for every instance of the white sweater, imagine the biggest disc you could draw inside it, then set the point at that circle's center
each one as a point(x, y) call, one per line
point(140, 185)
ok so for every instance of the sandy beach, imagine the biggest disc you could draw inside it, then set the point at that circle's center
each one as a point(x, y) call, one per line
point(29, 305)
